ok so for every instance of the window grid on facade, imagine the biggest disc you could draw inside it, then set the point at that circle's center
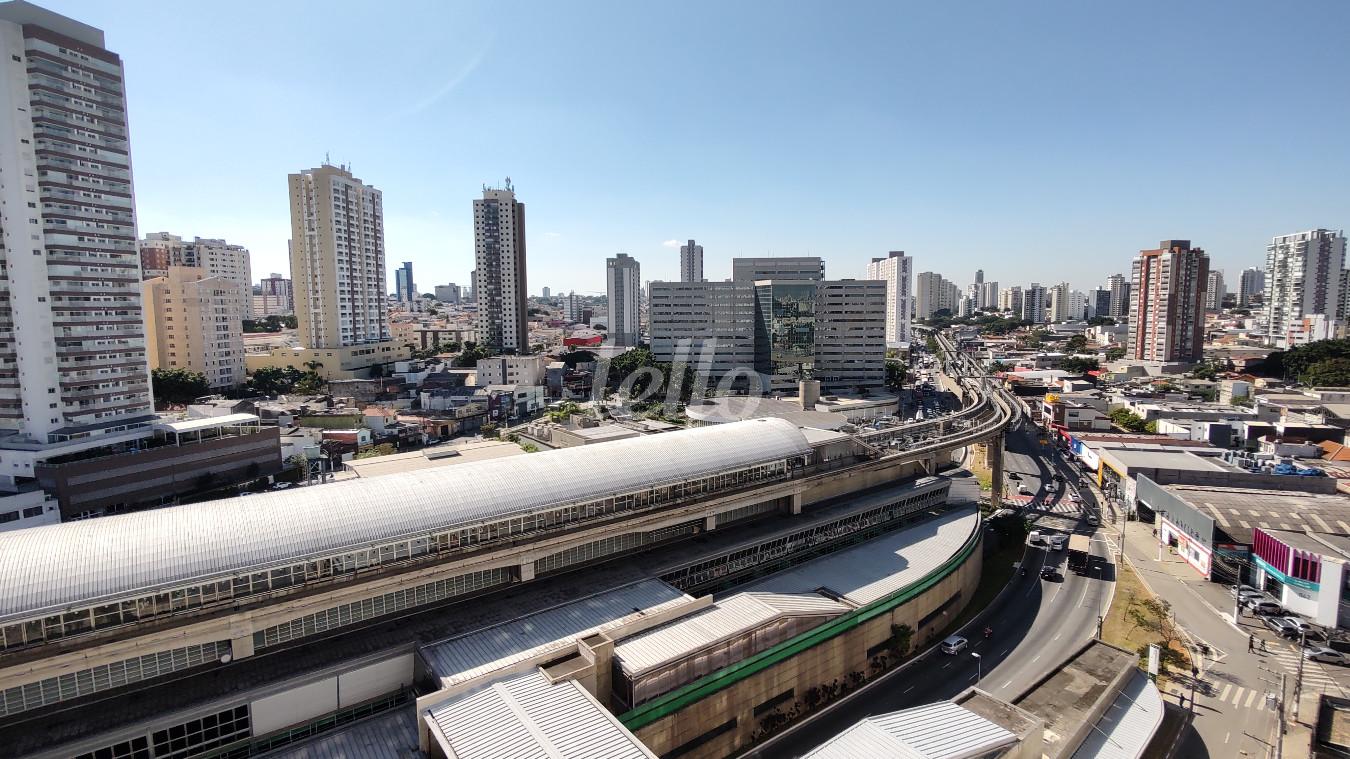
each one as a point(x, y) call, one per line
point(21, 698)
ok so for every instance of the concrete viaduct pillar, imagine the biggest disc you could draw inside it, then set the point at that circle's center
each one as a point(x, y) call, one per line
point(994, 452)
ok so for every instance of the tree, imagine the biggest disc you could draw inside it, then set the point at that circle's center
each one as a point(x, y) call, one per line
point(1128, 420)
point(1115, 354)
point(1000, 366)
point(470, 355)
point(570, 360)
point(178, 385)
point(1205, 371)
point(1075, 344)
point(1101, 321)
point(895, 374)
point(1078, 365)
point(931, 344)
point(383, 449)
point(1334, 372)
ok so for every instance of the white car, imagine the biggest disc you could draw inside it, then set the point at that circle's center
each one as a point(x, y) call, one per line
point(954, 645)
point(1327, 656)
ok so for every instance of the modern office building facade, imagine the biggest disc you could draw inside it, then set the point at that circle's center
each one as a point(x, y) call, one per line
point(833, 331)
point(778, 267)
point(498, 281)
point(73, 370)
point(1303, 278)
point(448, 294)
point(709, 326)
point(623, 283)
point(896, 271)
point(1167, 310)
point(405, 288)
point(1099, 301)
point(691, 262)
point(191, 323)
point(337, 259)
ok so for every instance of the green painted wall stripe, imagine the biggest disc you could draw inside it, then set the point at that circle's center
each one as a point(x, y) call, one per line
point(711, 683)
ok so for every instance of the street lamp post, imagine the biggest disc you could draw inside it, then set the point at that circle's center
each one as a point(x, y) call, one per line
point(1298, 678)
point(977, 667)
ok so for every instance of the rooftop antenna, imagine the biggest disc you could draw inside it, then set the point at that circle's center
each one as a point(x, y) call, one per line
point(508, 183)
point(326, 162)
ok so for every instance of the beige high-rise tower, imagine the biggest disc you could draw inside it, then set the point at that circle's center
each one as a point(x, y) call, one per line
point(192, 322)
point(337, 259)
point(499, 285)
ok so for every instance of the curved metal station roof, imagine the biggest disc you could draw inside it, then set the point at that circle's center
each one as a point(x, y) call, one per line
point(59, 566)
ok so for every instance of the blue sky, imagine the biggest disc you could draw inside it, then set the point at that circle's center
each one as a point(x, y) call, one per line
point(1037, 140)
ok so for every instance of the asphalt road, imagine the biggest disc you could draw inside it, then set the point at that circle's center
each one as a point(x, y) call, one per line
point(1034, 627)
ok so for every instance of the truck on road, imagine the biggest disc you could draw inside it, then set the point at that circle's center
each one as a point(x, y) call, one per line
point(1079, 553)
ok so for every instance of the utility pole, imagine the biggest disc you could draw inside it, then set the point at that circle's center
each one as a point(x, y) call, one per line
point(1298, 678)
point(1279, 721)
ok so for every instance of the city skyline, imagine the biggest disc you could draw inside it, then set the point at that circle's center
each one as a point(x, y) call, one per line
point(1011, 163)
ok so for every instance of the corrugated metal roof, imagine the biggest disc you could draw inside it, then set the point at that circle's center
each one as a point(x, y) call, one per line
point(936, 731)
point(884, 565)
point(53, 567)
point(725, 619)
point(392, 735)
point(1126, 729)
point(477, 653)
point(526, 717)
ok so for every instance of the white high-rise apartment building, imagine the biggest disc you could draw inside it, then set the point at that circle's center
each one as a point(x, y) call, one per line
point(192, 323)
point(1167, 303)
point(1214, 291)
point(1010, 299)
point(1303, 278)
point(895, 271)
point(216, 258)
point(1059, 307)
point(337, 259)
point(572, 308)
point(1119, 286)
point(988, 295)
point(1252, 286)
point(73, 370)
point(1033, 304)
point(498, 281)
point(928, 294)
point(623, 284)
point(691, 262)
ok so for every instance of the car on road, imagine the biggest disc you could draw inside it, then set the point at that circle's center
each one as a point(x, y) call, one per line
point(1281, 626)
point(1014, 476)
point(954, 644)
point(1021, 488)
point(1057, 542)
point(1266, 607)
point(1058, 477)
point(1093, 520)
point(1239, 590)
point(1050, 573)
point(1302, 626)
point(1326, 655)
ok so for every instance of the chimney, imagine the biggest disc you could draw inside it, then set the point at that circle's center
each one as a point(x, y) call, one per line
point(808, 392)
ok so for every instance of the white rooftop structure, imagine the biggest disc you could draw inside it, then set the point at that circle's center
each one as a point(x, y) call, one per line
point(873, 570)
point(1126, 728)
point(54, 567)
point(208, 423)
point(527, 717)
point(936, 731)
point(472, 655)
point(724, 619)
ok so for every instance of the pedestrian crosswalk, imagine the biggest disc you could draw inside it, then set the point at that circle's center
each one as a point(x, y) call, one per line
point(1242, 697)
point(1316, 676)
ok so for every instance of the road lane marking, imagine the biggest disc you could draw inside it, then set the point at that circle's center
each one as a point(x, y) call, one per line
point(1034, 660)
point(1058, 636)
point(907, 690)
point(1223, 694)
point(1250, 697)
point(948, 664)
point(1007, 683)
point(1237, 695)
point(1005, 652)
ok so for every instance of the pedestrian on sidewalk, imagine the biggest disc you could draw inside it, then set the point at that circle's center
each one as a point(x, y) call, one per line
point(1250, 638)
